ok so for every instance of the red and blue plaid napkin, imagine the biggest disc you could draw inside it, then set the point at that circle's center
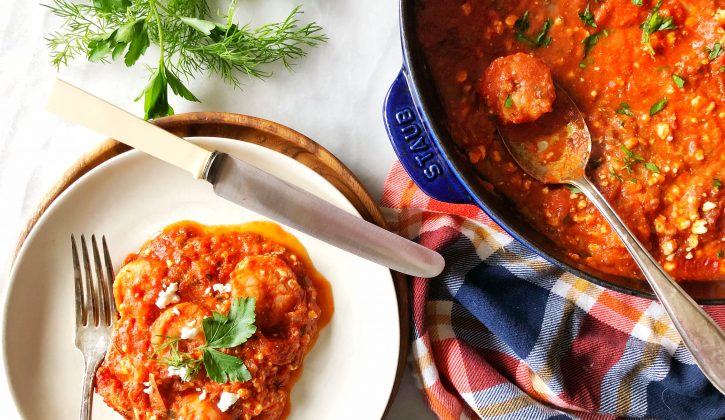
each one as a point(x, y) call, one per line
point(501, 333)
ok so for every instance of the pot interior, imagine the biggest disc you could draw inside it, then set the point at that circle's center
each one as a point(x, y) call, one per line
point(501, 210)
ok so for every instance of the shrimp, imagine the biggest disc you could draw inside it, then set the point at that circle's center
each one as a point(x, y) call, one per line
point(273, 284)
point(518, 88)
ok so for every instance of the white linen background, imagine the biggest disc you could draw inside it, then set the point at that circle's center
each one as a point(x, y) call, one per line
point(334, 96)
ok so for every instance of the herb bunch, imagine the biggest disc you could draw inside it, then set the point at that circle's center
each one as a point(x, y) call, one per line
point(190, 41)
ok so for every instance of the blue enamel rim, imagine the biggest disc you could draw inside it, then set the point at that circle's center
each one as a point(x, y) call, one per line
point(427, 107)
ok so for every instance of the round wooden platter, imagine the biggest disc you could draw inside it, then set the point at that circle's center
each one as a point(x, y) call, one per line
point(272, 136)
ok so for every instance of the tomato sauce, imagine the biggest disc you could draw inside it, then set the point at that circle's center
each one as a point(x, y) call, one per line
point(653, 103)
point(181, 276)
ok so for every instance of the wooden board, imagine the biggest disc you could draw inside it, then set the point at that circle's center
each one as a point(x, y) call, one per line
point(272, 136)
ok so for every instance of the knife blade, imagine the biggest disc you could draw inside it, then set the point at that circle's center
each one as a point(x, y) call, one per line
point(248, 186)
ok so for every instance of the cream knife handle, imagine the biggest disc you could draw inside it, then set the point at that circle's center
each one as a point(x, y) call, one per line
point(81, 107)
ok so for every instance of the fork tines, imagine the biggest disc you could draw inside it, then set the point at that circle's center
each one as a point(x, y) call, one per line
point(94, 294)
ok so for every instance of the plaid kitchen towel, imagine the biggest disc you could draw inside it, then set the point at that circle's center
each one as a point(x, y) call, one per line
point(501, 333)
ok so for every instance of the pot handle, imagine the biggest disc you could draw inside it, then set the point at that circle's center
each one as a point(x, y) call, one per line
point(417, 151)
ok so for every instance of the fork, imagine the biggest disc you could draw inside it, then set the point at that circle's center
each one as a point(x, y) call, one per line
point(95, 313)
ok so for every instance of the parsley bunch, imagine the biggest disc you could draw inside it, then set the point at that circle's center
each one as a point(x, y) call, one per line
point(189, 39)
point(221, 331)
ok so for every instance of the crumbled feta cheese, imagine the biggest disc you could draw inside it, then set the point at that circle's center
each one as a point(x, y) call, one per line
point(182, 372)
point(207, 290)
point(202, 396)
point(175, 311)
point(222, 288)
point(168, 295)
point(226, 400)
point(699, 227)
point(188, 332)
point(147, 390)
point(708, 205)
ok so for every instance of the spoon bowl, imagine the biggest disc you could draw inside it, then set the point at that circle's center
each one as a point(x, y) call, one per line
point(555, 148)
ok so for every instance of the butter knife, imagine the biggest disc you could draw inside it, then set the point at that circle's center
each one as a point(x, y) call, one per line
point(248, 186)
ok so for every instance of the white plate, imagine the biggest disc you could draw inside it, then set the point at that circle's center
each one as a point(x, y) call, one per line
point(349, 371)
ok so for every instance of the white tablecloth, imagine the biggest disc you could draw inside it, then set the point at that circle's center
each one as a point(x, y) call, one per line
point(335, 96)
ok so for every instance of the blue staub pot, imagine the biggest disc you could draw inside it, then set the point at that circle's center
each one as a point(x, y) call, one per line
point(415, 122)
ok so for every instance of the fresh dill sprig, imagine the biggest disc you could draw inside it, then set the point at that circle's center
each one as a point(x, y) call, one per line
point(190, 40)
point(177, 359)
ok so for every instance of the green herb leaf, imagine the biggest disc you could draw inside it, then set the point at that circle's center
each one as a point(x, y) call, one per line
point(587, 17)
point(156, 100)
point(625, 110)
point(232, 329)
point(573, 189)
point(521, 26)
point(714, 52)
point(509, 102)
point(679, 81)
point(111, 5)
point(126, 33)
point(591, 40)
point(637, 2)
point(99, 49)
point(720, 253)
point(652, 167)
point(722, 69)
point(630, 154)
point(614, 174)
point(221, 367)
point(716, 183)
point(658, 106)
point(201, 25)
point(179, 89)
point(138, 46)
point(655, 22)
point(118, 50)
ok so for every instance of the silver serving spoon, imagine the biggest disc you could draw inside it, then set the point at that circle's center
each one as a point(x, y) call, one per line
point(555, 149)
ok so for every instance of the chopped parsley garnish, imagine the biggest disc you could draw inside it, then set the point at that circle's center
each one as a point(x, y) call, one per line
point(722, 69)
point(221, 331)
point(591, 40)
point(630, 158)
point(655, 22)
point(585, 63)
point(587, 17)
point(720, 253)
point(614, 174)
point(652, 167)
point(509, 102)
point(658, 106)
point(521, 26)
point(716, 183)
point(625, 110)
point(679, 81)
point(637, 2)
point(573, 189)
point(714, 52)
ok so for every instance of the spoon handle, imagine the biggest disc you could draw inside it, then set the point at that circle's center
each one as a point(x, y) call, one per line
point(701, 335)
